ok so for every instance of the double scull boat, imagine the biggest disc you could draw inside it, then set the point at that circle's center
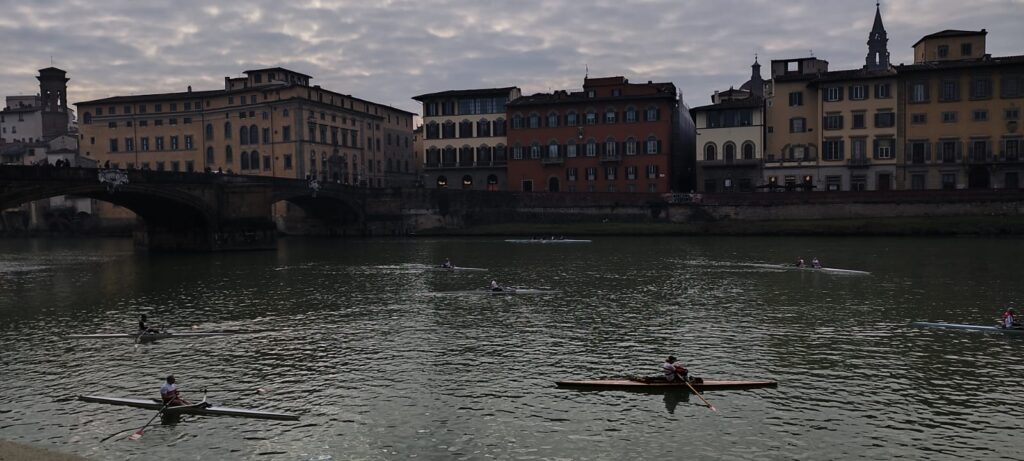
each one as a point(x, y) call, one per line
point(156, 404)
point(633, 385)
point(151, 336)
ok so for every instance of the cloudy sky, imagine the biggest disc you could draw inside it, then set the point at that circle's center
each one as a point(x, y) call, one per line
point(390, 50)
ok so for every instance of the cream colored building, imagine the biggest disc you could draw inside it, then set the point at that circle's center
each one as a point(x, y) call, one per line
point(791, 133)
point(270, 122)
point(464, 138)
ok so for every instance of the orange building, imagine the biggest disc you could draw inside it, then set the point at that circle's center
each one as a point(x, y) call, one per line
point(613, 136)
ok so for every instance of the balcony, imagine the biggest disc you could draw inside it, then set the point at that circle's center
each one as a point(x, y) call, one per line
point(976, 158)
point(556, 160)
point(809, 159)
point(611, 158)
point(730, 163)
point(859, 162)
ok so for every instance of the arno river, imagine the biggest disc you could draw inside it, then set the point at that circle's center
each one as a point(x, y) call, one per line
point(381, 364)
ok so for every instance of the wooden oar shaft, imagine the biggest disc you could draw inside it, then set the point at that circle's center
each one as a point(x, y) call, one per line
point(710, 406)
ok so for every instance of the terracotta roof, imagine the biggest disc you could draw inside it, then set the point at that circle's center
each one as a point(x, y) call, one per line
point(265, 69)
point(471, 92)
point(158, 97)
point(749, 103)
point(664, 91)
point(854, 74)
point(971, 63)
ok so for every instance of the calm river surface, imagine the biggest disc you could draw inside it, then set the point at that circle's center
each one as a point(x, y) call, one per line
point(381, 364)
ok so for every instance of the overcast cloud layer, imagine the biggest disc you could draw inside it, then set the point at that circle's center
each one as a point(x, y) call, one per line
point(390, 50)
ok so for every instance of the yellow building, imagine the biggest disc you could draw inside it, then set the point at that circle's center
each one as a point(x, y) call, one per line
point(270, 122)
point(791, 129)
point(962, 110)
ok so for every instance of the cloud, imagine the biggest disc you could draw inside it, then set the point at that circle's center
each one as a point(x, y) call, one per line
point(388, 51)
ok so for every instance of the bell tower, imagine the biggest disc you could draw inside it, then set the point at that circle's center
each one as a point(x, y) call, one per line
point(53, 89)
point(878, 41)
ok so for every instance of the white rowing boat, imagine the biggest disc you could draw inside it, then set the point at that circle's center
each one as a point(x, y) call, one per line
point(962, 326)
point(156, 404)
point(503, 291)
point(455, 269)
point(151, 336)
point(547, 241)
point(826, 270)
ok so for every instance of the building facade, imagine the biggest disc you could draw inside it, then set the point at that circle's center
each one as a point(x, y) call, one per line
point(791, 132)
point(613, 136)
point(33, 119)
point(464, 138)
point(270, 122)
point(962, 124)
point(730, 138)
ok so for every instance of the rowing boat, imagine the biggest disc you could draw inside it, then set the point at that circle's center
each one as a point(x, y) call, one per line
point(156, 404)
point(961, 326)
point(827, 270)
point(150, 336)
point(631, 385)
point(547, 241)
point(455, 269)
point(503, 291)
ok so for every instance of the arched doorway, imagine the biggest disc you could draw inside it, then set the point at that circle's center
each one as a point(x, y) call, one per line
point(492, 182)
point(978, 178)
point(467, 182)
point(442, 182)
point(729, 152)
point(553, 184)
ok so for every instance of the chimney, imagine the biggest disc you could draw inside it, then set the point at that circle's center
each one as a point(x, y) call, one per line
point(190, 88)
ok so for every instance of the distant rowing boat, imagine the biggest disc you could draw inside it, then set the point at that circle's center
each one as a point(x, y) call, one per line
point(455, 269)
point(155, 404)
point(503, 291)
point(962, 326)
point(547, 241)
point(150, 336)
point(627, 384)
point(827, 270)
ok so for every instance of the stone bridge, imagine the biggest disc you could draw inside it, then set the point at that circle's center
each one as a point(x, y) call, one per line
point(194, 211)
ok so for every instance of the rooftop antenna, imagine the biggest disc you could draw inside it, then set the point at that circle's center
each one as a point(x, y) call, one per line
point(587, 73)
point(811, 52)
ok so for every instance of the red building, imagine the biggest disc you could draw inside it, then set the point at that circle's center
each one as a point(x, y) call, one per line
point(614, 136)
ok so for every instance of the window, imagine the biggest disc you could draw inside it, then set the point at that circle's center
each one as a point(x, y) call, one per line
point(918, 152)
point(129, 144)
point(286, 133)
point(159, 141)
point(833, 183)
point(571, 119)
point(227, 130)
point(1011, 114)
point(288, 161)
point(885, 120)
point(610, 116)
point(174, 142)
point(517, 121)
point(533, 121)
point(918, 92)
point(113, 145)
point(1011, 149)
point(653, 114)
point(833, 122)
point(499, 127)
point(535, 151)
point(591, 118)
point(570, 149)
point(797, 125)
point(943, 51)
point(748, 150)
point(858, 92)
point(981, 88)
point(630, 146)
point(949, 151)
point(553, 120)
point(980, 115)
point(483, 128)
point(1012, 86)
point(858, 120)
point(172, 121)
point(591, 148)
point(158, 122)
point(517, 152)
point(832, 149)
point(884, 148)
point(917, 182)
point(143, 122)
point(652, 171)
point(209, 155)
point(965, 49)
point(111, 124)
point(653, 146)
point(949, 181)
point(883, 91)
point(609, 173)
point(190, 166)
point(833, 93)
point(950, 90)
point(796, 98)
point(188, 142)
point(465, 129)
point(919, 118)
point(710, 152)
point(158, 108)
point(266, 136)
point(447, 130)
point(209, 132)
point(591, 174)
point(630, 115)
point(949, 117)
point(570, 174)
point(631, 173)
point(144, 144)
point(243, 135)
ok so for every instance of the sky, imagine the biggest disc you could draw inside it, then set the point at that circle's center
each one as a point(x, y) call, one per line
point(388, 51)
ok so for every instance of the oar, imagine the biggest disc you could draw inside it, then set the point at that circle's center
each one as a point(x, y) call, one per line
point(138, 434)
point(258, 390)
point(712, 407)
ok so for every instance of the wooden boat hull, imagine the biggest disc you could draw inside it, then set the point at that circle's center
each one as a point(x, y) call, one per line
point(962, 326)
point(547, 241)
point(154, 404)
point(626, 384)
point(150, 336)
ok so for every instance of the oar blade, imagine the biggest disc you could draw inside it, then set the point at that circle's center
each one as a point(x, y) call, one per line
point(136, 435)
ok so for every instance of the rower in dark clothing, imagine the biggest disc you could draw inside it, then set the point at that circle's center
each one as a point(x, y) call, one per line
point(143, 328)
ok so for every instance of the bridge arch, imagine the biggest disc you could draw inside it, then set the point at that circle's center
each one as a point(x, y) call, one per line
point(332, 210)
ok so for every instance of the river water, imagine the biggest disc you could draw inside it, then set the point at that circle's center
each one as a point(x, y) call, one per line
point(381, 363)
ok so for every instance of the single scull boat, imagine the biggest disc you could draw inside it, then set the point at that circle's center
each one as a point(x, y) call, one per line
point(628, 384)
point(149, 336)
point(961, 326)
point(547, 241)
point(156, 404)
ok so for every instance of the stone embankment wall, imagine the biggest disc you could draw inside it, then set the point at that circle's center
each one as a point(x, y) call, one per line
point(915, 212)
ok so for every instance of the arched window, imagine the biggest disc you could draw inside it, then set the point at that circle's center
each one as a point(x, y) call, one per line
point(243, 135)
point(610, 115)
point(535, 150)
point(591, 147)
point(630, 146)
point(553, 149)
point(244, 158)
point(448, 130)
point(254, 161)
point(492, 179)
point(448, 156)
point(483, 128)
point(552, 119)
point(442, 182)
point(630, 114)
point(209, 155)
point(609, 147)
point(228, 156)
point(209, 131)
point(517, 121)
point(433, 130)
point(500, 154)
point(710, 151)
point(483, 155)
point(729, 152)
point(467, 182)
point(533, 121)
point(653, 145)
point(572, 118)
point(87, 118)
point(433, 156)
point(465, 129)
point(499, 127)
point(466, 156)
point(227, 130)
point(748, 150)
point(254, 135)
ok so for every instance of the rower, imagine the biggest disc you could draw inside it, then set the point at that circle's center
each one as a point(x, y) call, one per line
point(800, 262)
point(169, 394)
point(495, 286)
point(143, 328)
point(447, 264)
point(1009, 318)
point(815, 263)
